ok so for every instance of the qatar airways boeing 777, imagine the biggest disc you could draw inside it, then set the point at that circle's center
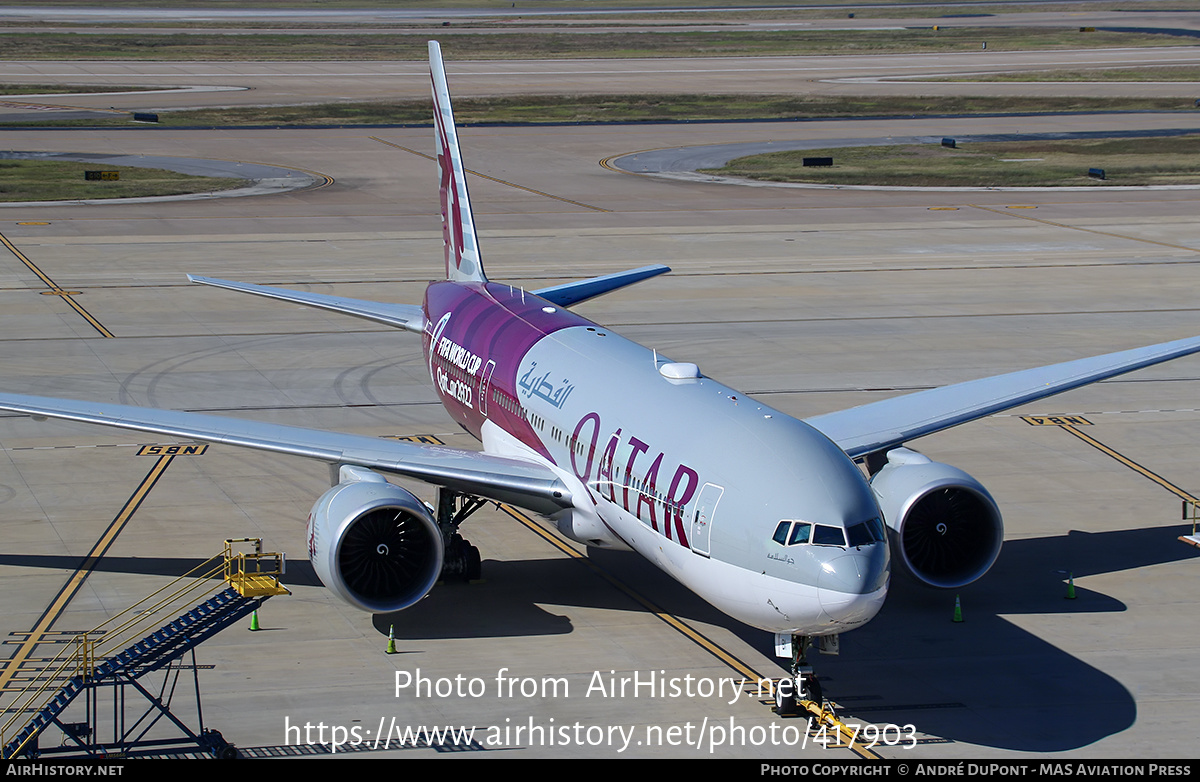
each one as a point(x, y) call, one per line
point(769, 518)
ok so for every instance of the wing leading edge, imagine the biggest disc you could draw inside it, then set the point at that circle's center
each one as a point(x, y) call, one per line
point(890, 422)
point(522, 483)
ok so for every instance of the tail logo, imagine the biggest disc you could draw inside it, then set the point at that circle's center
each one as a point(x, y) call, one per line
point(463, 263)
point(452, 225)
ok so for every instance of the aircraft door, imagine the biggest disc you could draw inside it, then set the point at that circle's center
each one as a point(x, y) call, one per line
point(485, 385)
point(702, 519)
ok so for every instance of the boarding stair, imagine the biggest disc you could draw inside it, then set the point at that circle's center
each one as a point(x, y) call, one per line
point(149, 636)
point(1191, 512)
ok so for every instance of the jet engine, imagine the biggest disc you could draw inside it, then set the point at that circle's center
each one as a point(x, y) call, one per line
point(374, 544)
point(944, 527)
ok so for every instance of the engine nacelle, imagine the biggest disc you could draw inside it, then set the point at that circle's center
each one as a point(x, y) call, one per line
point(945, 528)
point(373, 544)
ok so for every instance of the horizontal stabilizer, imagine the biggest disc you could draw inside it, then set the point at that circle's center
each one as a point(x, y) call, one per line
point(574, 292)
point(404, 316)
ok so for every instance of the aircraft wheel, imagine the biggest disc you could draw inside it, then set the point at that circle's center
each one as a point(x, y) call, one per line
point(785, 705)
point(811, 691)
point(474, 564)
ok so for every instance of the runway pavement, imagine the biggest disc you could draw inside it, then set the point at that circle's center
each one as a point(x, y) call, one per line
point(807, 301)
point(272, 83)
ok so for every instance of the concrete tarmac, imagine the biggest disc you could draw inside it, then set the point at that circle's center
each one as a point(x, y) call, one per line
point(809, 301)
point(271, 83)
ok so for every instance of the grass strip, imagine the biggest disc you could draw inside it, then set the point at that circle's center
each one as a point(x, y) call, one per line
point(538, 45)
point(1128, 162)
point(54, 180)
point(627, 108)
point(668, 9)
point(685, 12)
point(1189, 74)
point(64, 89)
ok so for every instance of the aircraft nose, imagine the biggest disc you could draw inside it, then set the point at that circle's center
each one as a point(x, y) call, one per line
point(852, 586)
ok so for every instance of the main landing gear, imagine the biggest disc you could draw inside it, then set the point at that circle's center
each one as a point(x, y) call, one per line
point(802, 685)
point(462, 561)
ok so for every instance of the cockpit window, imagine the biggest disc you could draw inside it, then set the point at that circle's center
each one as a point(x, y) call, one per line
point(824, 535)
point(792, 533)
point(796, 533)
point(866, 532)
point(800, 533)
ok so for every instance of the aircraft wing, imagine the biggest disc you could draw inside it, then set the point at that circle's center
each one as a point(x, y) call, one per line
point(890, 422)
point(405, 316)
point(527, 484)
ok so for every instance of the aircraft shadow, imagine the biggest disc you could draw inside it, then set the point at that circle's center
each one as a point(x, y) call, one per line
point(172, 567)
point(988, 681)
point(985, 681)
point(506, 603)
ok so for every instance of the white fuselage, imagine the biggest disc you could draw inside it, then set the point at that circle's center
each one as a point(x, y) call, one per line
point(696, 478)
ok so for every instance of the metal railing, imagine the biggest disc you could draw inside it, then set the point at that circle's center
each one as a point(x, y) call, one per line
point(64, 675)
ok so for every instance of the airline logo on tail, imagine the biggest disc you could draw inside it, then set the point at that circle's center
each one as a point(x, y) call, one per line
point(458, 228)
point(452, 227)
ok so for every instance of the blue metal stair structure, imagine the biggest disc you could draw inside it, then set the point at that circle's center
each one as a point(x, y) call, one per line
point(158, 649)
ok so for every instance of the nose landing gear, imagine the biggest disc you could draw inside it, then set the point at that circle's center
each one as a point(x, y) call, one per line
point(793, 694)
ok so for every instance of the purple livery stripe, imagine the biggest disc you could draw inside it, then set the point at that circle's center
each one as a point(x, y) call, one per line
point(470, 326)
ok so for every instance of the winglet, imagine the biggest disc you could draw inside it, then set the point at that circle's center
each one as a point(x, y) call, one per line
point(463, 263)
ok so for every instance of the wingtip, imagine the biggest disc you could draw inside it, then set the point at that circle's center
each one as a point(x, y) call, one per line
point(213, 281)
